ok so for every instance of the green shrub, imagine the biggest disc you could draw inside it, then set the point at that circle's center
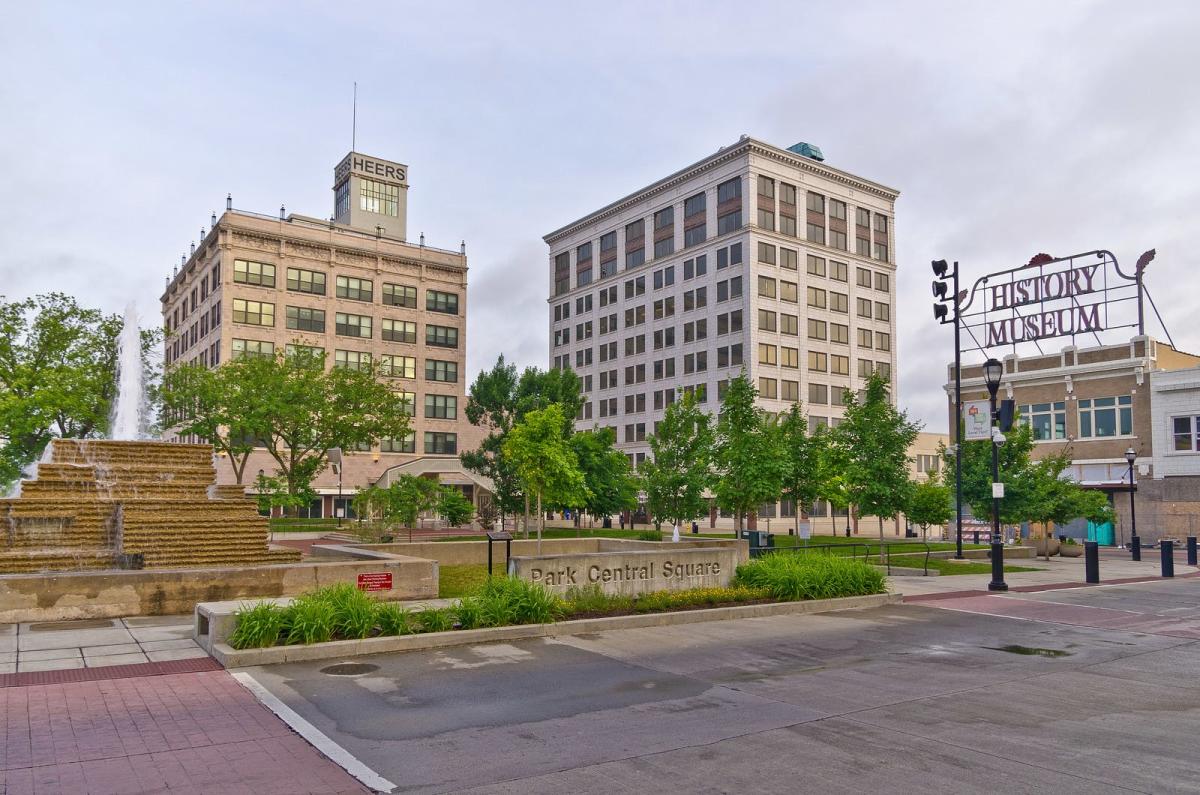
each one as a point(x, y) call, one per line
point(435, 619)
point(649, 535)
point(794, 577)
point(354, 612)
point(257, 626)
point(310, 619)
point(503, 601)
point(393, 619)
point(581, 600)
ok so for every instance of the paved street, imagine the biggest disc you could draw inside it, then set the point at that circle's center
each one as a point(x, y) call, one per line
point(1015, 693)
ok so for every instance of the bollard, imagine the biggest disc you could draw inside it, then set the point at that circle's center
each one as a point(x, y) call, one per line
point(1135, 548)
point(1091, 561)
point(1191, 550)
point(976, 536)
point(1167, 549)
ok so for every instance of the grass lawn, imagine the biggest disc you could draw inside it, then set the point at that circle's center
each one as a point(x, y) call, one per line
point(950, 567)
point(564, 532)
point(457, 581)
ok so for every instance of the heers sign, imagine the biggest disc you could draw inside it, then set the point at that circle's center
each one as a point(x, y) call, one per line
point(360, 164)
point(1042, 289)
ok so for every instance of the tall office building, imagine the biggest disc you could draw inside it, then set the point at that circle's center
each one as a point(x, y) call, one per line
point(351, 286)
point(755, 258)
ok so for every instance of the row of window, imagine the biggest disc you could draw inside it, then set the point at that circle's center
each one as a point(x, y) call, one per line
point(1099, 418)
point(389, 364)
point(262, 313)
point(831, 229)
point(299, 280)
point(436, 442)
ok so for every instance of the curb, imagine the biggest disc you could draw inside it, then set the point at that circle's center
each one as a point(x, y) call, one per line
point(234, 658)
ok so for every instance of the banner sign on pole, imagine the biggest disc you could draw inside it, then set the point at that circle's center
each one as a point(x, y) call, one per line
point(977, 420)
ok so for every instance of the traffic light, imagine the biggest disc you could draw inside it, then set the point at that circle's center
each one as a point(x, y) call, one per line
point(943, 298)
point(1004, 415)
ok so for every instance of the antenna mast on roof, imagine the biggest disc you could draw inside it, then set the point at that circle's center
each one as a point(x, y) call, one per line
point(354, 120)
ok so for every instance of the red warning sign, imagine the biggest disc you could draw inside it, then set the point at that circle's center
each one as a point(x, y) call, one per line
point(375, 581)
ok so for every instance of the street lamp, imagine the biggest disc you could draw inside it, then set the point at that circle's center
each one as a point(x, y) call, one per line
point(993, 371)
point(1134, 541)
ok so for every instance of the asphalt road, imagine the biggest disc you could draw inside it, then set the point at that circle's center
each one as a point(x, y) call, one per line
point(907, 698)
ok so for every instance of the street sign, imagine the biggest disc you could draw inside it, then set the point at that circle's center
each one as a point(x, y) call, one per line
point(977, 420)
point(997, 491)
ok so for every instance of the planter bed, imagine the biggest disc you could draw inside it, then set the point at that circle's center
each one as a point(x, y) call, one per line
point(234, 658)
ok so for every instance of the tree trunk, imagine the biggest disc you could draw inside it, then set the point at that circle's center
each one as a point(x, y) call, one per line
point(525, 522)
point(541, 522)
point(880, 531)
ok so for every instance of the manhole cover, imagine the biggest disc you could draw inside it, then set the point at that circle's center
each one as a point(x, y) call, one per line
point(349, 669)
point(1031, 650)
point(89, 623)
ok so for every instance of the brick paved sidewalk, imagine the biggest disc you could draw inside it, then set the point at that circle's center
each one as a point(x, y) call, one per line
point(192, 732)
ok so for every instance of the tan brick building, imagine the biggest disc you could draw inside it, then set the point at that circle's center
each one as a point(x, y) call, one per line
point(351, 287)
point(1097, 403)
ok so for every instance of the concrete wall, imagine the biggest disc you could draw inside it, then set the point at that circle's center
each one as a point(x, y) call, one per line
point(459, 553)
point(113, 594)
point(671, 569)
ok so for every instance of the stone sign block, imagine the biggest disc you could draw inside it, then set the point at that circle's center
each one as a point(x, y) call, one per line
point(629, 573)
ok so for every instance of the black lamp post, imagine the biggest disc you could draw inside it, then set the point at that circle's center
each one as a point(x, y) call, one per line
point(1134, 541)
point(993, 371)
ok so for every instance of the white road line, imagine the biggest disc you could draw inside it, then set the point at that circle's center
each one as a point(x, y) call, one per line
point(313, 735)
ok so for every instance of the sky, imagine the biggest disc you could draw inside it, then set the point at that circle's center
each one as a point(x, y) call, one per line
point(1009, 128)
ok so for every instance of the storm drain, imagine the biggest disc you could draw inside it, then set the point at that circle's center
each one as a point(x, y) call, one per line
point(349, 669)
point(87, 623)
point(1030, 650)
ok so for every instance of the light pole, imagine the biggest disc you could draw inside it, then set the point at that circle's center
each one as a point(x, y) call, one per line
point(993, 371)
point(1134, 541)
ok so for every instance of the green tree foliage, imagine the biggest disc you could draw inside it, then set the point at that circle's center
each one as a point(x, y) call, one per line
point(831, 478)
point(453, 506)
point(1049, 498)
point(402, 503)
point(497, 400)
point(1016, 472)
point(748, 458)
point(930, 503)
point(875, 438)
point(679, 468)
point(58, 375)
point(805, 465)
point(219, 405)
point(611, 485)
point(544, 461)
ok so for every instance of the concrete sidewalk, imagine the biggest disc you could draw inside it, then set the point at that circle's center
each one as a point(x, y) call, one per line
point(1058, 571)
point(95, 643)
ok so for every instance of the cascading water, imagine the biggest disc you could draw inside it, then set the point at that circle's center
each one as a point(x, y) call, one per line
point(127, 408)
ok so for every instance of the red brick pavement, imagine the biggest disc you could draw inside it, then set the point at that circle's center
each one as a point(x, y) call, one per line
point(191, 732)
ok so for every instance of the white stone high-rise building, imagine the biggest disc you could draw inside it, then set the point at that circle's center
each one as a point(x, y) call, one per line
point(756, 258)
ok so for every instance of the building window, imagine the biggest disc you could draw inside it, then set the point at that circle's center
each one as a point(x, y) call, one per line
point(256, 348)
point(635, 243)
point(766, 287)
point(883, 342)
point(441, 336)
point(406, 445)
point(818, 362)
point(345, 325)
point(341, 199)
point(441, 443)
point(729, 206)
point(881, 252)
point(818, 393)
point(1186, 434)
point(766, 253)
point(816, 329)
point(254, 313)
point(354, 289)
point(864, 338)
point(695, 225)
point(768, 354)
point(303, 281)
point(1047, 420)
point(446, 303)
point(398, 330)
point(839, 333)
point(664, 222)
point(882, 282)
point(768, 388)
point(304, 319)
point(398, 366)
point(307, 351)
point(839, 271)
point(441, 407)
point(399, 295)
point(864, 307)
point(437, 370)
point(258, 273)
point(816, 297)
point(1108, 416)
point(789, 324)
point(379, 197)
point(839, 365)
point(352, 360)
point(882, 311)
point(816, 265)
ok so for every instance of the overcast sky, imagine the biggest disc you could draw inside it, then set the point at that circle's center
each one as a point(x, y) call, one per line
point(1009, 129)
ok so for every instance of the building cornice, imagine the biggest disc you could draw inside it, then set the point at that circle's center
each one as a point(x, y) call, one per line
point(743, 147)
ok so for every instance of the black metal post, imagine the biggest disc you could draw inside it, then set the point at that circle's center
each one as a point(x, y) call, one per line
point(1135, 549)
point(1191, 550)
point(489, 556)
point(958, 453)
point(1167, 551)
point(1132, 515)
point(339, 523)
point(1091, 561)
point(507, 553)
point(997, 583)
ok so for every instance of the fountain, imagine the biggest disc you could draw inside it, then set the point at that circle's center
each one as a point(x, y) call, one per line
point(127, 502)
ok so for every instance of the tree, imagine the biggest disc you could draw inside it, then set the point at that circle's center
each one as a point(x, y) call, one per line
point(1015, 472)
point(831, 479)
point(749, 461)
point(544, 461)
point(679, 469)
point(453, 506)
point(804, 470)
point(58, 374)
point(497, 400)
point(304, 410)
point(875, 437)
point(930, 502)
point(1051, 499)
point(611, 485)
point(218, 405)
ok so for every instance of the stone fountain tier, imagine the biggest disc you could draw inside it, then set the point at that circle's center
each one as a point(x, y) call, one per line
point(95, 504)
